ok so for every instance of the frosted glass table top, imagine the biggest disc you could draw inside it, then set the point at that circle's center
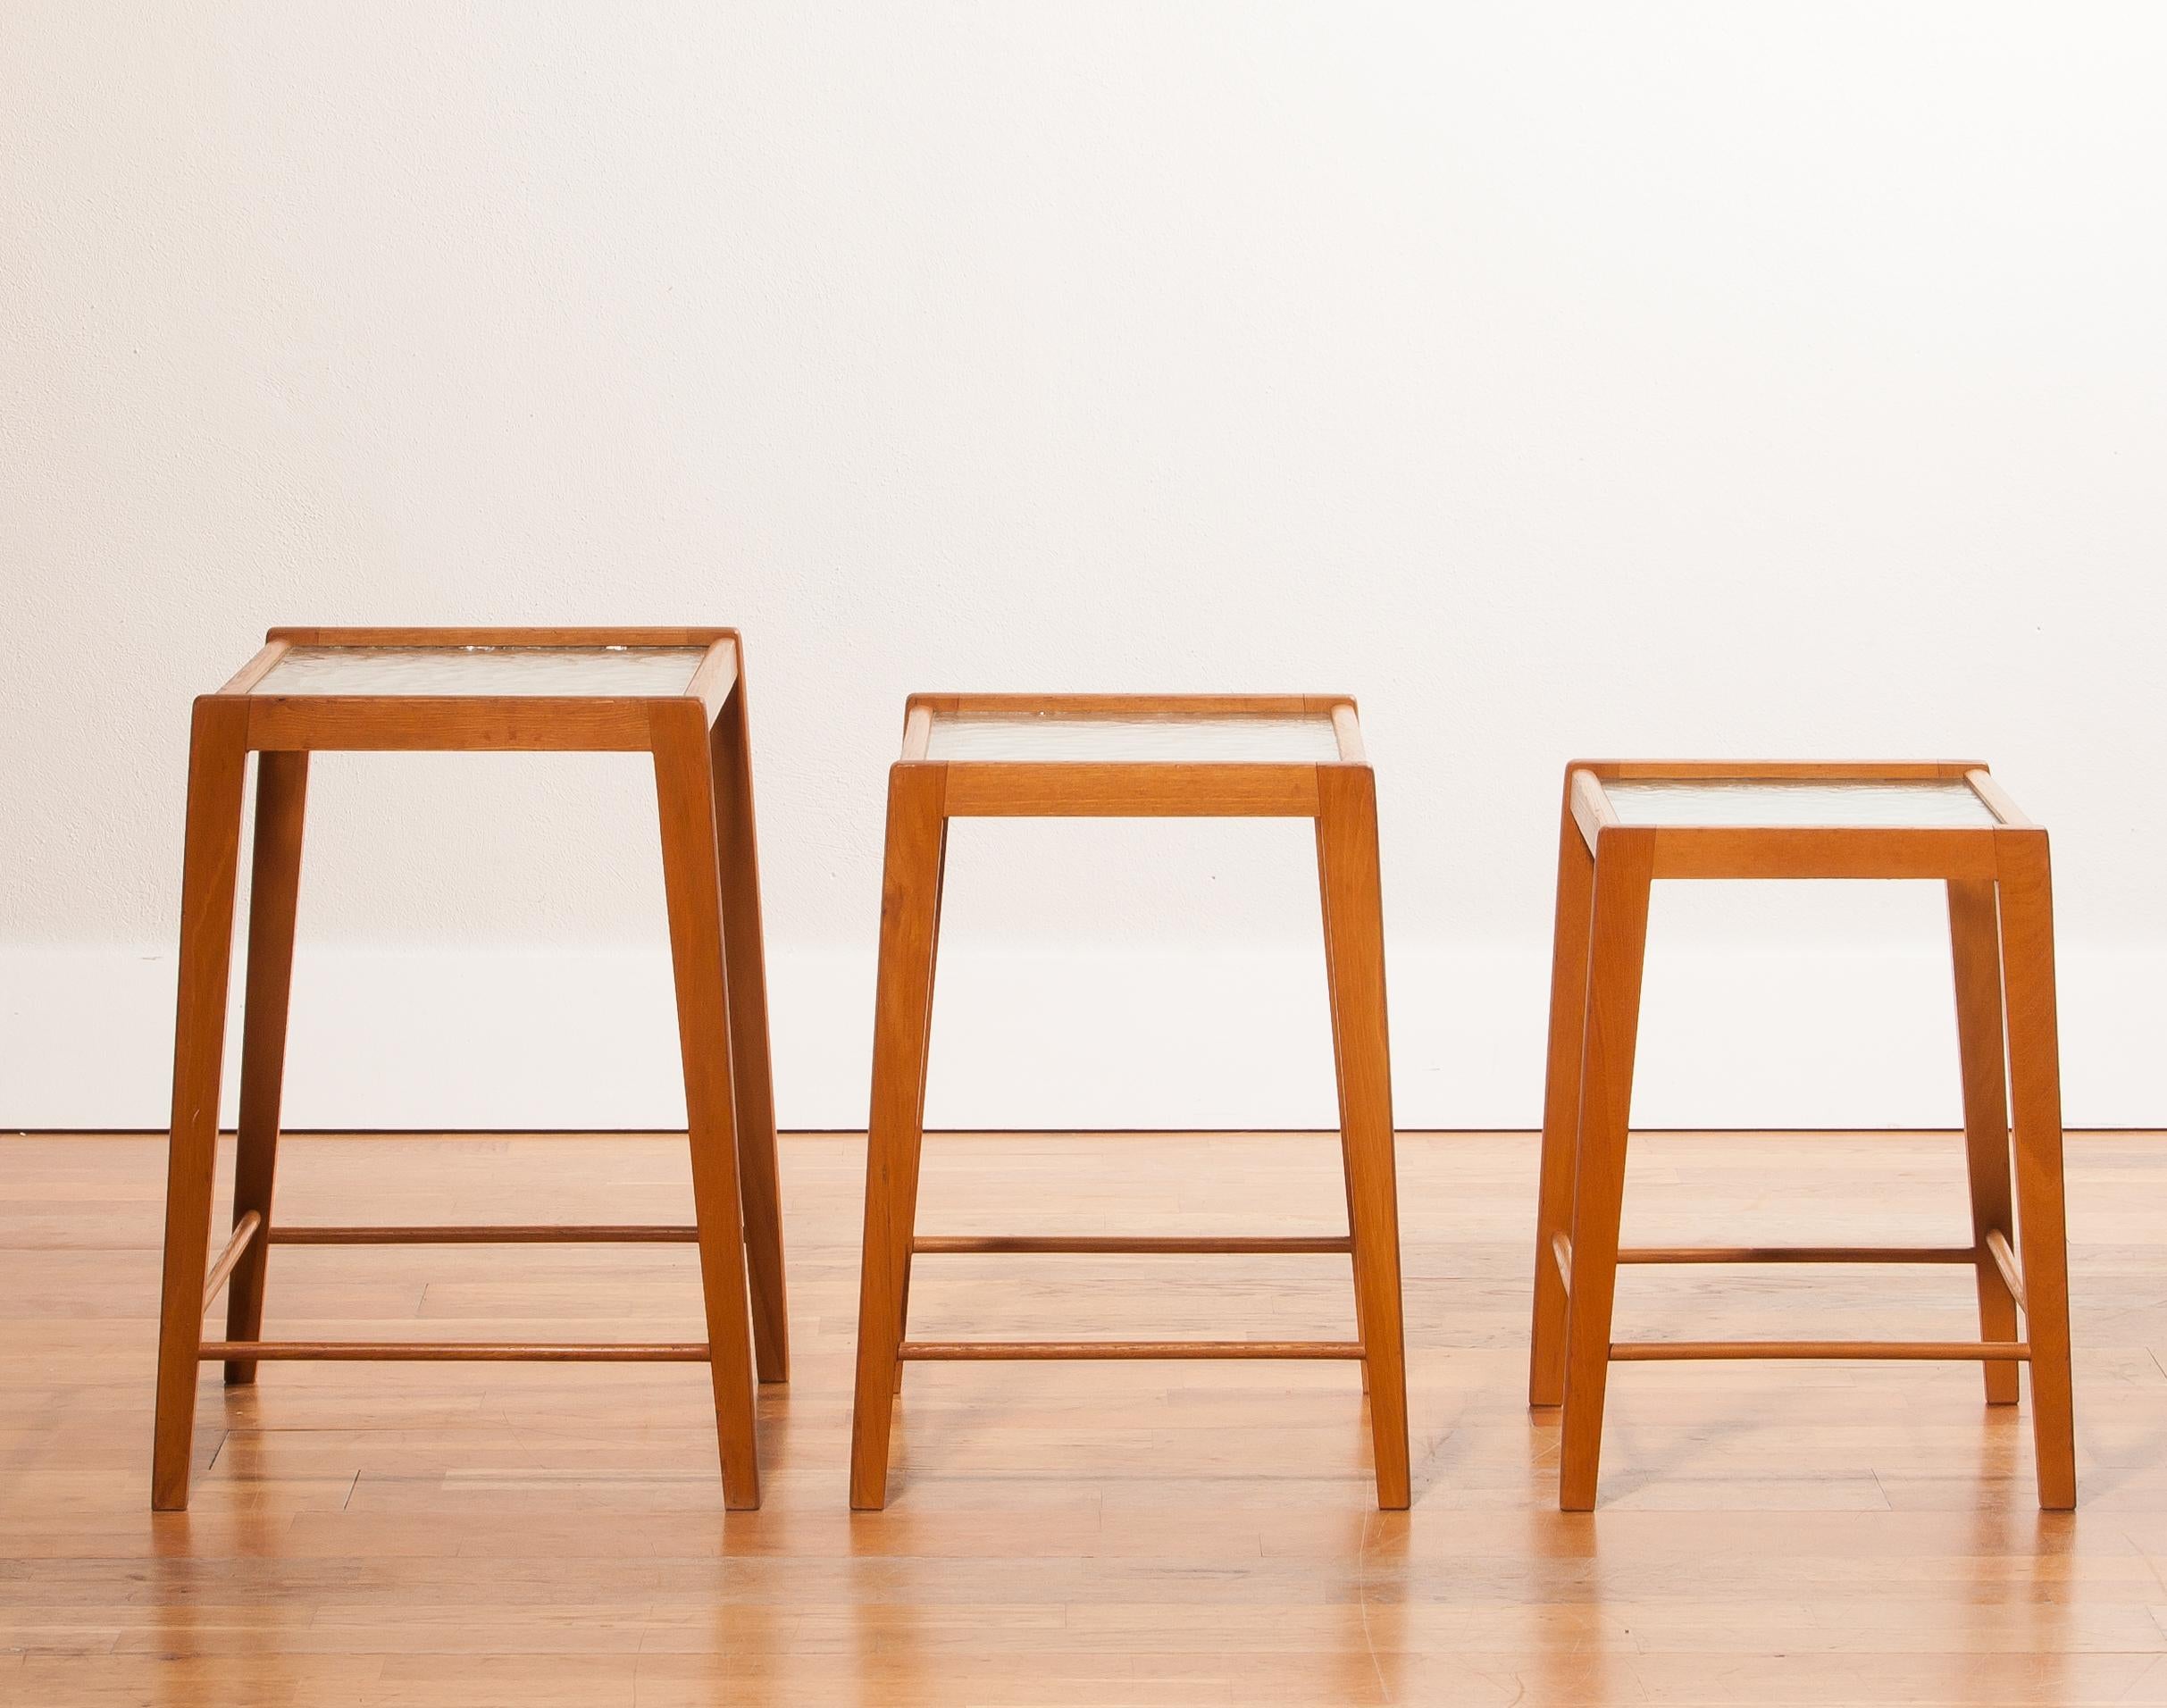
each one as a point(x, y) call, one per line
point(406, 671)
point(1766, 803)
point(1234, 738)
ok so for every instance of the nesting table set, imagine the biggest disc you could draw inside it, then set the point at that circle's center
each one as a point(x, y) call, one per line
point(678, 695)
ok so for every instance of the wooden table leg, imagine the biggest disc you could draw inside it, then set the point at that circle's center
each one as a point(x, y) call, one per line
point(1619, 932)
point(692, 877)
point(1339, 1073)
point(2035, 1081)
point(218, 759)
point(902, 1295)
point(910, 888)
point(1561, 1104)
point(1975, 938)
point(282, 796)
point(1354, 930)
point(752, 1071)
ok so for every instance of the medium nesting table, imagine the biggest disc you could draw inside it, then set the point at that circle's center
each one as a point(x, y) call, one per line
point(678, 694)
point(1627, 824)
point(1125, 757)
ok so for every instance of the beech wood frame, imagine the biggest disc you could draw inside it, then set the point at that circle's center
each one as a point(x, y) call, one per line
point(924, 794)
point(2001, 919)
point(701, 746)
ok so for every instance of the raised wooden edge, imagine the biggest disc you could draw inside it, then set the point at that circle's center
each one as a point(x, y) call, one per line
point(919, 710)
point(1347, 725)
point(1131, 788)
point(1591, 807)
point(250, 673)
point(715, 675)
point(1719, 851)
point(500, 637)
point(1780, 770)
point(1198, 705)
point(1066, 789)
point(1996, 799)
point(475, 722)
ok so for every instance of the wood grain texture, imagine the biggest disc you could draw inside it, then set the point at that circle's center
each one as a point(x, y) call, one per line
point(281, 800)
point(218, 763)
point(1975, 943)
point(924, 795)
point(489, 1233)
point(475, 723)
point(700, 748)
point(2035, 1100)
point(1568, 952)
point(752, 1071)
point(2002, 941)
point(1627, 1352)
point(1618, 932)
point(1157, 1350)
point(1354, 962)
point(692, 876)
point(500, 1536)
point(247, 1228)
point(1722, 851)
point(441, 1351)
point(1001, 788)
point(902, 1025)
point(1138, 1245)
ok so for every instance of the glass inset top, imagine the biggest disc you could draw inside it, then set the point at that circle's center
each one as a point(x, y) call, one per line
point(407, 672)
point(1236, 738)
point(1769, 803)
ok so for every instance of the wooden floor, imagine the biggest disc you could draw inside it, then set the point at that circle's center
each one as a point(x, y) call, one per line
point(1122, 1533)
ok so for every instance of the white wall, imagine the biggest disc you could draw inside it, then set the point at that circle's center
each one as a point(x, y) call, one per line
point(1770, 379)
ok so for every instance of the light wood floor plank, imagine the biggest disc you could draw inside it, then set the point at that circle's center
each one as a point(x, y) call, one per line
point(1129, 1534)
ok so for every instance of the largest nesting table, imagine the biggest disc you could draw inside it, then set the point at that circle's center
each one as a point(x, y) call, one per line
point(676, 694)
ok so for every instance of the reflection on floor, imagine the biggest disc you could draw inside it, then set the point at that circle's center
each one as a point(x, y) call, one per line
point(1125, 1533)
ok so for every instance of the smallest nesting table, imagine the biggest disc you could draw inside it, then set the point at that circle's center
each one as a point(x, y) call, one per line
point(1112, 755)
point(677, 695)
point(1627, 824)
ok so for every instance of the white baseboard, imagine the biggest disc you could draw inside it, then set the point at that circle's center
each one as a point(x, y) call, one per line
point(1051, 1037)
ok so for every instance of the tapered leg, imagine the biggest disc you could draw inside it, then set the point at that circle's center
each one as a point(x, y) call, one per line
point(2035, 1082)
point(1339, 1073)
point(692, 876)
point(1355, 927)
point(902, 1297)
point(1975, 938)
point(1561, 1104)
point(909, 905)
point(282, 794)
point(217, 759)
point(752, 1074)
point(1618, 934)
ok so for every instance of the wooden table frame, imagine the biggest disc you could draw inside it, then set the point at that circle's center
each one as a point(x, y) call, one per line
point(923, 795)
point(2000, 924)
point(703, 777)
